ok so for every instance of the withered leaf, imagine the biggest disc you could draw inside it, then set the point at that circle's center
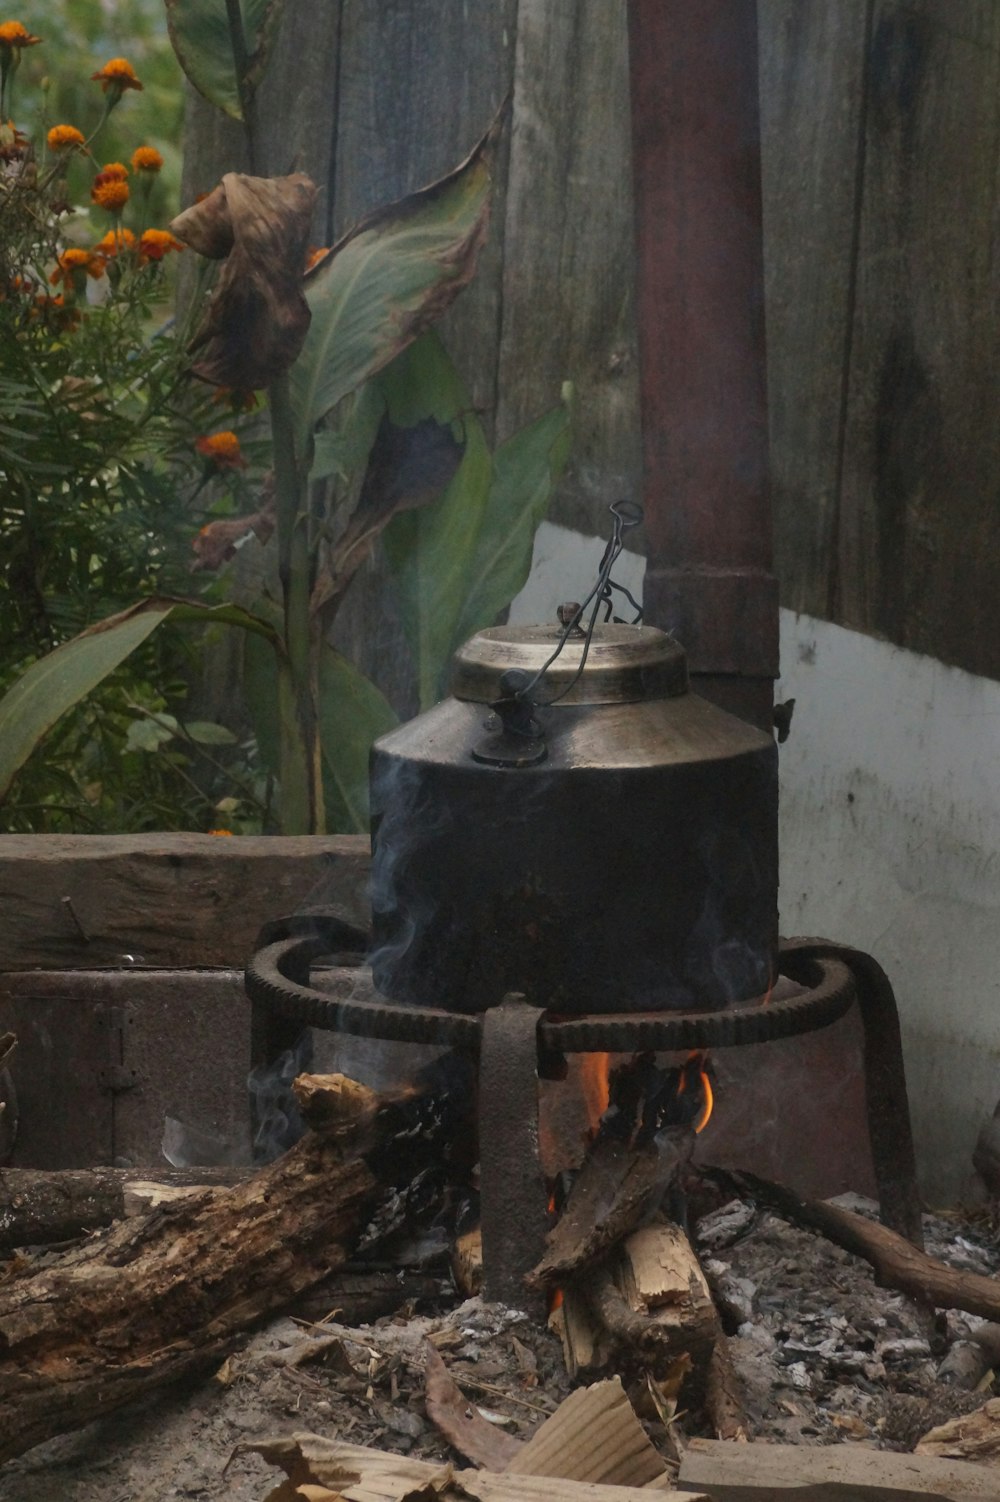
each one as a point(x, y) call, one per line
point(407, 468)
point(258, 317)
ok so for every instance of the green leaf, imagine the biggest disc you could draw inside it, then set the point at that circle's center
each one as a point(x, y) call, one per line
point(352, 714)
point(526, 470)
point(51, 686)
point(199, 34)
point(342, 451)
point(208, 733)
point(430, 552)
point(387, 280)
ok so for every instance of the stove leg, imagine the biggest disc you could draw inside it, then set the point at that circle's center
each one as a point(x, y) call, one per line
point(888, 1105)
point(512, 1190)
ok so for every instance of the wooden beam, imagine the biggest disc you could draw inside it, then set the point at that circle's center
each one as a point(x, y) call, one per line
point(828, 1473)
point(165, 899)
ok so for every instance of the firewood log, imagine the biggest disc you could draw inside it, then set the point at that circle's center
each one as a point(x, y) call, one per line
point(162, 1295)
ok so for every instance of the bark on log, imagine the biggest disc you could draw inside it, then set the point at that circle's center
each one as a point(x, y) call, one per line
point(157, 1297)
point(617, 1189)
point(897, 1263)
point(38, 1208)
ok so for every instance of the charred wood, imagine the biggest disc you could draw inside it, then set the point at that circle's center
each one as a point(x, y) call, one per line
point(162, 1295)
point(38, 1208)
point(618, 1189)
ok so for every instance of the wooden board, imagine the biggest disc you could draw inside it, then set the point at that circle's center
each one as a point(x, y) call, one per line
point(811, 68)
point(880, 125)
point(919, 557)
point(174, 899)
point(568, 290)
point(732, 1472)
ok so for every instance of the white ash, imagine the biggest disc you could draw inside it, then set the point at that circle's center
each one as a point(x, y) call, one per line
point(821, 1352)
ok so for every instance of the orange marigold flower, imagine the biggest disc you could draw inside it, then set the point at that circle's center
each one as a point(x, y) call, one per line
point(76, 259)
point(14, 35)
point(154, 244)
point(113, 172)
point(223, 449)
point(117, 74)
point(62, 137)
point(109, 193)
point(314, 255)
point(115, 241)
point(146, 159)
point(221, 831)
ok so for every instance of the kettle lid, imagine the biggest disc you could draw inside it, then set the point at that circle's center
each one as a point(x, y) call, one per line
point(624, 664)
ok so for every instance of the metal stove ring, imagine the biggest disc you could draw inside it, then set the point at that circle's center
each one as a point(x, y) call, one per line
point(278, 978)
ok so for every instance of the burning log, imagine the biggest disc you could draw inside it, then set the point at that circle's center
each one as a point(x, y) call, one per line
point(162, 1295)
point(643, 1143)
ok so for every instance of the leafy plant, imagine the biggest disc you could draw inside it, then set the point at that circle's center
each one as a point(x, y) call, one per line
point(372, 433)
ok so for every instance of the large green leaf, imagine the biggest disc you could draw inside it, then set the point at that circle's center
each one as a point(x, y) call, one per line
point(352, 714)
point(200, 36)
point(387, 280)
point(525, 471)
point(55, 683)
point(430, 552)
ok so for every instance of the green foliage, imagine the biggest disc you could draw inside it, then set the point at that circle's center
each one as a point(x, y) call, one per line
point(199, 31)
point(376, 290)
point(97, 457)
point(457, 564)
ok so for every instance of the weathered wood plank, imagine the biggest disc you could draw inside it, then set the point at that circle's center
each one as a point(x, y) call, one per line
point(568, 287)
point(418, 87)
point(732, 1472)
point(172, 899)
point(920, 540)
point(811, 67)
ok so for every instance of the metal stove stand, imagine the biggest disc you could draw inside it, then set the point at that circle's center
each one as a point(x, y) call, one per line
point(515, 1041)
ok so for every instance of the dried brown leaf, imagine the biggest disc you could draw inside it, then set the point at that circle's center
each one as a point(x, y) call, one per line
point(257, 318)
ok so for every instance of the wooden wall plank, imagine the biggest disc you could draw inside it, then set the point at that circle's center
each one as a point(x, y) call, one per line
point(418, 86)
point(568, 288)
point(881, 139)
point(811, 68)
point(919, 557)
point(173, 899)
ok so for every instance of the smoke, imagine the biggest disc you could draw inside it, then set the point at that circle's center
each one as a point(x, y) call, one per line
point(277, 1123)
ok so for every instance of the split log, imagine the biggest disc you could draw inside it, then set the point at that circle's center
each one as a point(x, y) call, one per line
point(38, 1208)
point(829, 1473)
point(974, 1436)
point(617, 1189)
point(157, 1297)
point(897, 1263)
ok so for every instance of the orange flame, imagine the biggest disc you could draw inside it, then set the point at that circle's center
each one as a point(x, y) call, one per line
point(708, 1098)
point(595, 1069)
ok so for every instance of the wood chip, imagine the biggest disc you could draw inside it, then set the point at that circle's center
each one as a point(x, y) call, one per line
point(594, 1436)
point(462, 1425)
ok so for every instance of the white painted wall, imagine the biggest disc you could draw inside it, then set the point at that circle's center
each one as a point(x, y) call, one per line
point(890, 840)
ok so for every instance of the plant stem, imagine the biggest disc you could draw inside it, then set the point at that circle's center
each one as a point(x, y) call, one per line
point(241, 65)
point(301, 779)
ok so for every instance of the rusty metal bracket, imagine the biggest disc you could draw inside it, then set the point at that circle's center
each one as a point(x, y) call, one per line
point(512, 1192)
point(115, 1075)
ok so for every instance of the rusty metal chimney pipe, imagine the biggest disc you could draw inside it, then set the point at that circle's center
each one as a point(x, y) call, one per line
point(696, 170)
